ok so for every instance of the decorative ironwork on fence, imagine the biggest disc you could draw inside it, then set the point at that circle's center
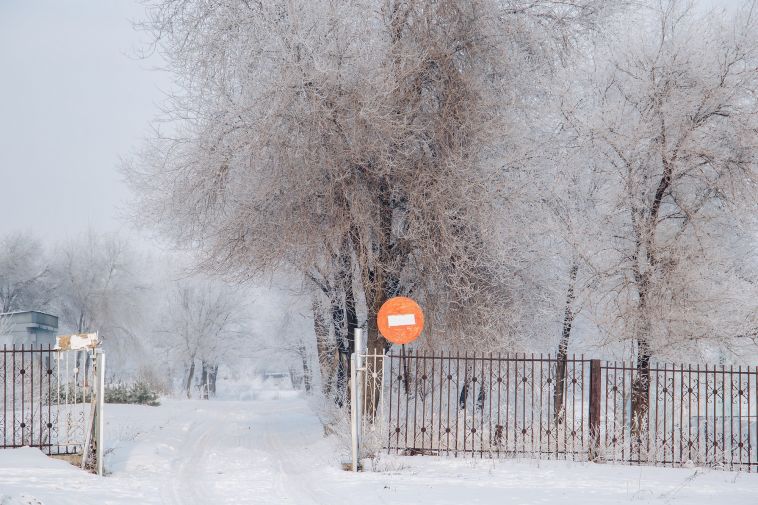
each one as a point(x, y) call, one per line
point(46, 398)
point(521, 405)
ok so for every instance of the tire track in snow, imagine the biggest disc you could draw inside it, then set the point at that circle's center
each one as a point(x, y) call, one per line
point(183, 485)
point(244, 452)
point(298, 471)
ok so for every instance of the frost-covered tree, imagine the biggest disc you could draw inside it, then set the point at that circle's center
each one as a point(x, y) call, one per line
point(98, 288)
point(360, 144)
point(24, 274)
point(201, 324)
point(670, 119)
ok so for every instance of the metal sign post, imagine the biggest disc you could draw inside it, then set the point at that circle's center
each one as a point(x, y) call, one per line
point(400, 320)
point(355, 402)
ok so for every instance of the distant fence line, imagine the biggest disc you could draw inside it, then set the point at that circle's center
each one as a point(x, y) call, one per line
point(489, 405)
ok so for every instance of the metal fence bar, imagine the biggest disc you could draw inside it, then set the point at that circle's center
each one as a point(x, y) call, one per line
point(505, 405)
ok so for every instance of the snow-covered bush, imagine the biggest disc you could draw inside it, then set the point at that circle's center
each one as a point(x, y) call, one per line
point(139, 393)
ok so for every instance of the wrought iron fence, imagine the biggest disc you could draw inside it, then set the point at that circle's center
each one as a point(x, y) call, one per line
point(521, 405)
point(705, 415)
point(45, 398)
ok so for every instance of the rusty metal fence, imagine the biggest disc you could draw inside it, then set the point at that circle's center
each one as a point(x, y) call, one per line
point(456, 404)
point(44, 398)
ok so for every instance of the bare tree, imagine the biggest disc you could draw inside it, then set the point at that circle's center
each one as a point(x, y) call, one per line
point(672, 117)
point(201, 325)
point(24, 274)
point(360, 144)
point(98, 289)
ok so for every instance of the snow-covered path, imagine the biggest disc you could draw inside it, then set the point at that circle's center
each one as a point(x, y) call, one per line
point(232, 452)
point(274, 452)
point(264, 455)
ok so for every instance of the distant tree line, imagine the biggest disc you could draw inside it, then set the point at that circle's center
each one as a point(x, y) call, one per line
point(160, 322)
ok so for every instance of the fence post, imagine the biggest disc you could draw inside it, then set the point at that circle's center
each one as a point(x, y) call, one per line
point(99, 424)
point(595, 398)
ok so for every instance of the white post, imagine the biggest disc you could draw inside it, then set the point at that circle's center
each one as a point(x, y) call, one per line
point(99, 425)
point(358, 346)
point(354, 410)
point(355, 398)
point(359, 381)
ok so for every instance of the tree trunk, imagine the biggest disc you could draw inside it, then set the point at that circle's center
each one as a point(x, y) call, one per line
point(344, 320)
point(343, 350)
point(204, 381)
point(641, 389)
point(641, 385)
point(208, 380)
point(324, 348)
point(562, 355)
point(190, 376)
point(295, 378)
point(306, 368)
point(212, 375)
point(346, 283)
point(375, 343)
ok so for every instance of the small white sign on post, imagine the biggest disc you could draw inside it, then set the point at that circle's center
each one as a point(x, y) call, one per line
point(77, 341)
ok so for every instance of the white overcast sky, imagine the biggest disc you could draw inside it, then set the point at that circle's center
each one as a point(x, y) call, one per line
point(73, 99)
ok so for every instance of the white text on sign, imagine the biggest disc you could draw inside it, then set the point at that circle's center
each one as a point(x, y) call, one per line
point(401, 320)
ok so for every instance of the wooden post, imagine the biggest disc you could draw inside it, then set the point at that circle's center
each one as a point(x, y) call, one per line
point(595, 398)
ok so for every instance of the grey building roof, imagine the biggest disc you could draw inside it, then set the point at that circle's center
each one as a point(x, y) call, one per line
point(30, 326)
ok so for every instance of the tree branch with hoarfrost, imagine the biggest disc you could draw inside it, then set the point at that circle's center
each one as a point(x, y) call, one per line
point(360, 144)
point(671, 120)
point(24, 274)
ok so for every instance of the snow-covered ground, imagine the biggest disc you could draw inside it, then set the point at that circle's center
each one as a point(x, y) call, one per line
point(273, 451)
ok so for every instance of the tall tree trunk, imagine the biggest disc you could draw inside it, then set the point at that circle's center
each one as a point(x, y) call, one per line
point(351, 315)
point(641, 384)
point(204, 381)
point(562, 355)
point(208, 380)
point(344, 319)
point(190, 376)
point(326, 350)
point(343, 349)
point(212, 376)
point(306, 368)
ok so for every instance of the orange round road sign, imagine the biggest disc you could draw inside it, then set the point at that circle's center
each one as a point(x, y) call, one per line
point(400, 320)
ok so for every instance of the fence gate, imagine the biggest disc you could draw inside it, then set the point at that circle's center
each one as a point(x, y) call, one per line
point(46, 399)
point(487, 405)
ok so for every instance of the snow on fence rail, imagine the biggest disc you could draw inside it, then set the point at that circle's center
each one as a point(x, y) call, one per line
point(519, 406)
point(45, 398)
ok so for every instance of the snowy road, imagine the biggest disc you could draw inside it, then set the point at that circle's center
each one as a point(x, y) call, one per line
point(273, 452)
point(233, 452)
point(230, 454)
